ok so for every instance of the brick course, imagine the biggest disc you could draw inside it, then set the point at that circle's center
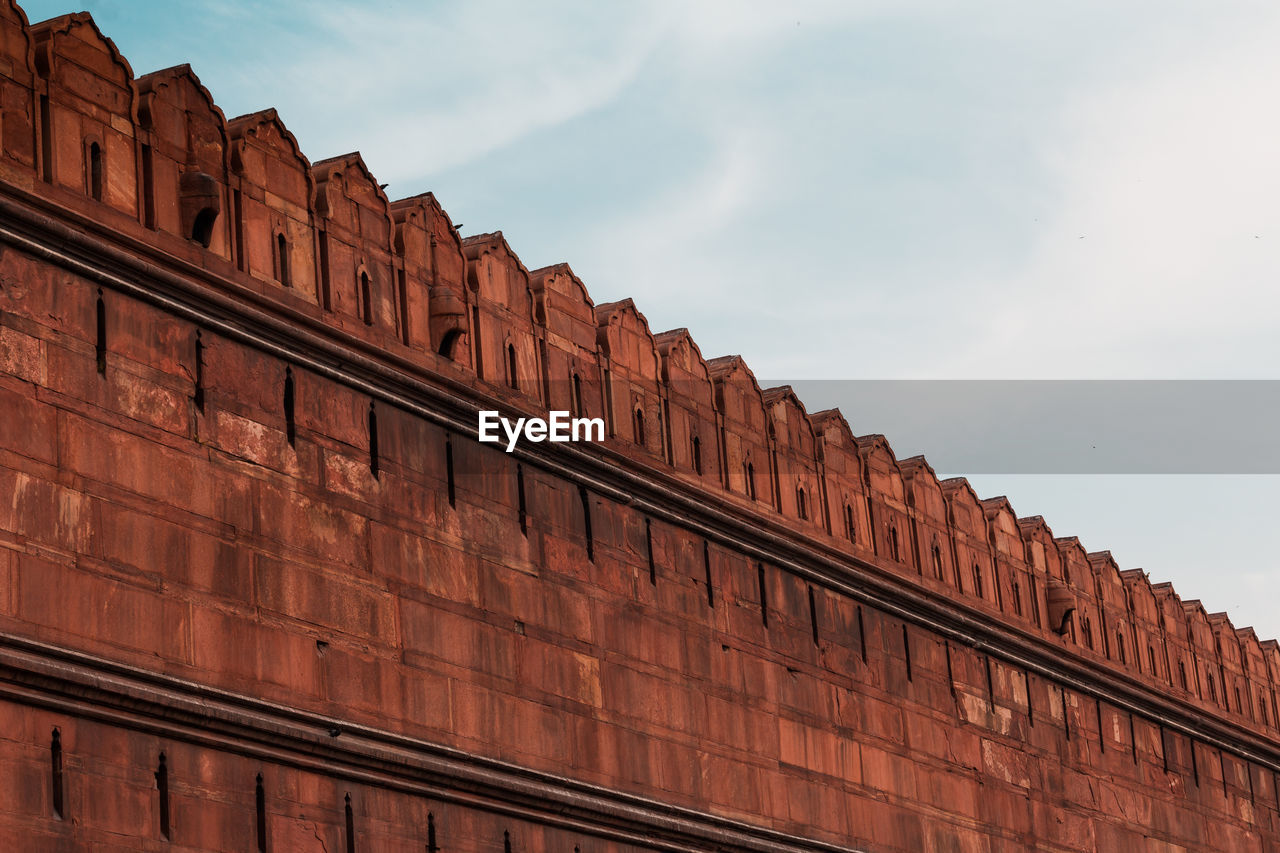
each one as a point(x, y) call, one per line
point(245, 523)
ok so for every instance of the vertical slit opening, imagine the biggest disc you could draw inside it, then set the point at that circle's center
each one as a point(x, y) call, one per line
point(1102, 737)
point(706, 565)
point(374, 461)
point(149, 189)
point(326, 298)
point(951, 679)
point(1195, 763)
point(404, 309)
point(237, 212)
point(290, 427)
point(1133, 739)
point(764, 595)
point(862, 636)
point(162, 786)
point(991, 691)
point(610, 414)
point(260, 805)
point(648, 547)
point(351, 825)
point(198, 396)
point(366, 299)
point(55, 761)
point(95, 171)
point(520, 500)
point(282, 260)
point(432, 846)
point(475, 337)
point(506, 842)
point(46, 140)
point(448, 471)
point(775, 479)
point(906, 650)
point(513, 378)
point(1035, 607)
point(813, 617)
point(586, 523)
point(100, 349)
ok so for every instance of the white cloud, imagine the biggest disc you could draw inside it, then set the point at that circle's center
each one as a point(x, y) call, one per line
point(1164, 249)
point(420, 93)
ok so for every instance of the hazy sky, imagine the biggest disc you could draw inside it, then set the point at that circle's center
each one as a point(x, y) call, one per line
point(842, 190)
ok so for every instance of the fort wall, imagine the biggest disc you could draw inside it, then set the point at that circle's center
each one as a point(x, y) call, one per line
point(242, 507)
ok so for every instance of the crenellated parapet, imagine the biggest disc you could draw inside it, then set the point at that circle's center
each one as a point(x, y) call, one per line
point(357, 278)
point(796, 460)
point(185, 160)
point(272, 209)
point(154, 159)
point(693, 421)
point(20, 107)
point(504, 343)
point(568, 346)
point(747, 456)
point(432, 274)
point(631, 370)
point(87, 113)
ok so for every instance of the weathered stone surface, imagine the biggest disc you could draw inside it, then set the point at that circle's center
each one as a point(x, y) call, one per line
point(273, 494)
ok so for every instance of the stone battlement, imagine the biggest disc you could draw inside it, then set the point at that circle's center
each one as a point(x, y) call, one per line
point(264, 347)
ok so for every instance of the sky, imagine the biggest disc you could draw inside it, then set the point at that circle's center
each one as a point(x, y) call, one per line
point(843, 190)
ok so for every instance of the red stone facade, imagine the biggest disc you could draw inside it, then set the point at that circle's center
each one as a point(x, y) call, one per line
point(262, 589)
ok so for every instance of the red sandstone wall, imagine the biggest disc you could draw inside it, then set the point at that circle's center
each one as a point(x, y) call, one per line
point(160, 508)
